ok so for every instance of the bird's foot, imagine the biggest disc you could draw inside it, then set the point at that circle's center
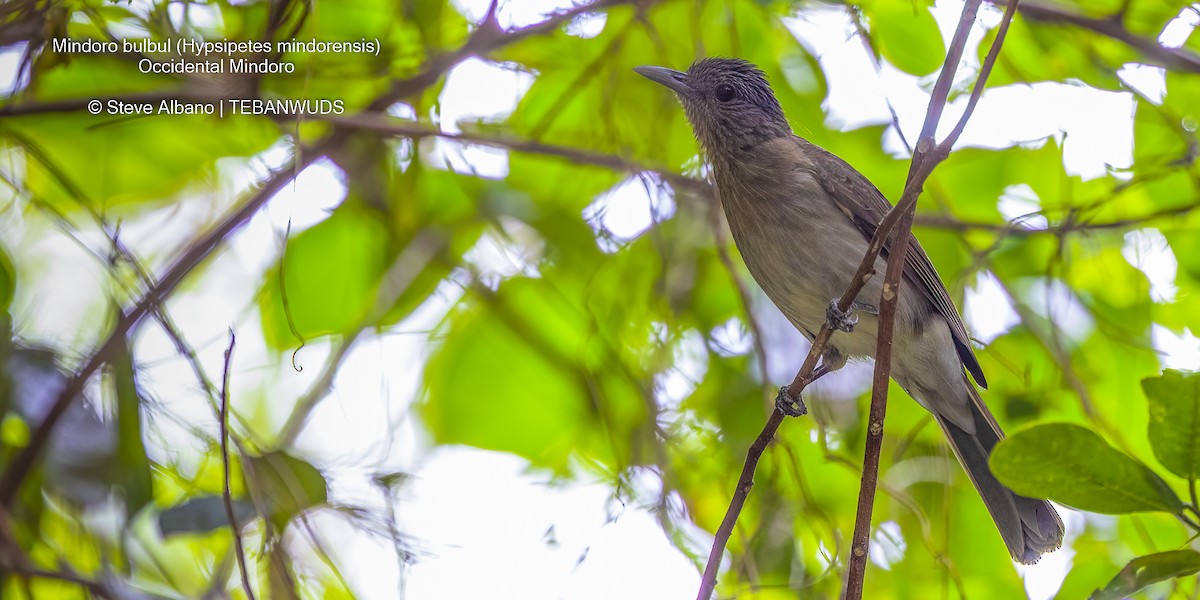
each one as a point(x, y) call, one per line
point(838, 320)
point(786, 405)
point(845, 321)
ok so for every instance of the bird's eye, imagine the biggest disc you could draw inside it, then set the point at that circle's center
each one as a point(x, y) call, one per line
point(725, 92)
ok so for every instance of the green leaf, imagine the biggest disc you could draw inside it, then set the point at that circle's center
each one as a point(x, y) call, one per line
point(1145, 570)
point(524, 371)
point(906, 35)
point(330, 273)
point(1040, 51)
point(1072, 465)
point(100, 162)
point(8, 281)
point(133, 473)
point(203, 514)
point(288, 484)
point(1174, 400)
point(478, 398)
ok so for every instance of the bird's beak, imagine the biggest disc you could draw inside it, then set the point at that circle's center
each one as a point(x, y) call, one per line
point(671, 78)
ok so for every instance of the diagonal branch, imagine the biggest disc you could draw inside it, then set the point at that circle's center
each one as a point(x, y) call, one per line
point(1112, 27)
point(927, 156)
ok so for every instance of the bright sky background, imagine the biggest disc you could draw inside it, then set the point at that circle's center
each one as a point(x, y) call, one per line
point(481, 523)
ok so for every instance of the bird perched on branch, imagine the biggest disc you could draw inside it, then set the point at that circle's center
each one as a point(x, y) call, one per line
point(802, 218)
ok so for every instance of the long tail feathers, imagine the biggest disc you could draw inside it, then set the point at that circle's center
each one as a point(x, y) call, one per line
point(1029, 527)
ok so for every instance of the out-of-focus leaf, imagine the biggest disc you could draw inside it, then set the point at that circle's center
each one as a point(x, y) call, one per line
point(281, 579)
point(8, 282)
point(906, 35)
point(330, 274)
point(1174, 400)
point(78, 159)
point(1114, 291)
point(287, 484)
point(478, 392)
point(1143, 18)
point(713, 294)
point(533, 330)
point(133, 465)
point(1046, 51)
point(1072, 465)
point(1022, 256)
point(202, 515)
point(1145, 570)
point(972, 180)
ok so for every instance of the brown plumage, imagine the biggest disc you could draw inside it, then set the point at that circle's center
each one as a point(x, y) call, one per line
point(801, 218)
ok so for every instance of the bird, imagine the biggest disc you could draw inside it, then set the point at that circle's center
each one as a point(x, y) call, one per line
point(801, 217)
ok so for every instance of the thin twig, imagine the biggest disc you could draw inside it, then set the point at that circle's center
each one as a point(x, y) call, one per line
point(927, 156)
point(227, 493)
point(1192, 491)
point(873, 54)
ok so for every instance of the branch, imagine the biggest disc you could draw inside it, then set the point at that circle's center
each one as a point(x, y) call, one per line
point(1171, 58)
point(1067, 227)
point(486, 38)
point(927, 156)
point(227, 494)
point(380, 123)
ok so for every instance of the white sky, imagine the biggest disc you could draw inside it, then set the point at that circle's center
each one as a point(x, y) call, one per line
point(484, 524)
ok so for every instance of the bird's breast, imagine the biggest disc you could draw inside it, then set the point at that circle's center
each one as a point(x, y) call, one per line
point(798, 244)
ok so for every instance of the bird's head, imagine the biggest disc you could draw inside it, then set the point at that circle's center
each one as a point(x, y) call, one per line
point(727, 100)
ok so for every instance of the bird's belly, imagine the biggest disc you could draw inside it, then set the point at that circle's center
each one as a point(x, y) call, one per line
point(803, 258)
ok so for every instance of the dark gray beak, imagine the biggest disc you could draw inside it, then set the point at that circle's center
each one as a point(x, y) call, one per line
point(671, 78)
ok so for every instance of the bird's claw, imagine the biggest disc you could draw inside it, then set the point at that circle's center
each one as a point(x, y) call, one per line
point(838, 320)
point(786, 405)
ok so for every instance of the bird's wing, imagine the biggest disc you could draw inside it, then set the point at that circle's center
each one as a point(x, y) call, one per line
point(866, 206)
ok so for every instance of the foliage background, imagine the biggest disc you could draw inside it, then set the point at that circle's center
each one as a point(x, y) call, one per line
point(470, 282)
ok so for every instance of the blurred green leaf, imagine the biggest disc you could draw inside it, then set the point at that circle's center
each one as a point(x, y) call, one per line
point(1072, 465)
point(288, 485)
point(203, 514)
point(1047, 51)
point(479, 379)
point(906, 35)
point(8, 283)
point(1145, 570)
point(133, 464)
point(1174, 400)
point(100, 162)
point(330, 274)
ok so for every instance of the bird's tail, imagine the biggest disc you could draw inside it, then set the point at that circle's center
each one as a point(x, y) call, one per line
point(1029, 527)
